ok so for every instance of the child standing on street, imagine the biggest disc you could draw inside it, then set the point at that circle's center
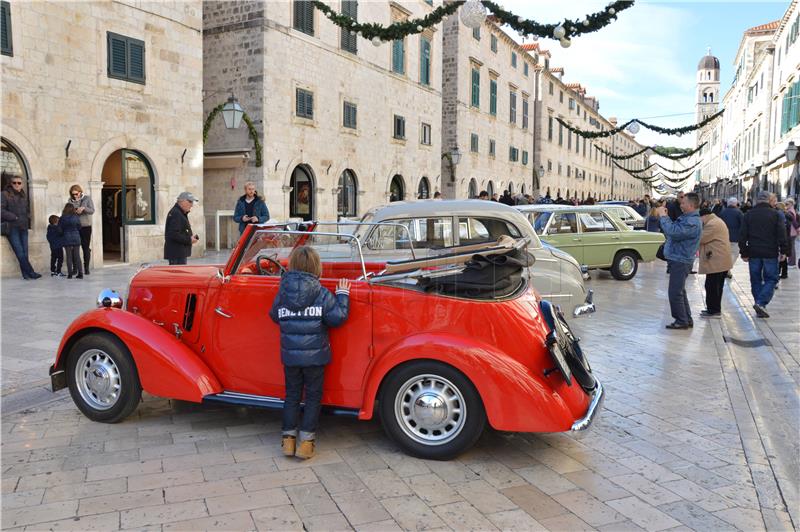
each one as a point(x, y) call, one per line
point(304, 310)
point(56, 247)
point(70, 226)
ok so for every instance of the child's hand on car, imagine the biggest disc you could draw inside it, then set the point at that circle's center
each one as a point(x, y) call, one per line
point(344, 284)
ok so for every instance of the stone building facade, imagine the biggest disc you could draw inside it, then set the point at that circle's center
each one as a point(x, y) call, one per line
point(487, 111)
point(345, 125)
point(97, 93)
point(572, 166)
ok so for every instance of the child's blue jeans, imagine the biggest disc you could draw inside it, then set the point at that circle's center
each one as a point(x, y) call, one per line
point(297, 378)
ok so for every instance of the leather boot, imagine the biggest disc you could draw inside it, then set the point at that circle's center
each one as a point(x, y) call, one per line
point(288, 445)
point(305, 450)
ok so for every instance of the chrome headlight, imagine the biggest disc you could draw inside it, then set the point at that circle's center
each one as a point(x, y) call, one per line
point(109, 298)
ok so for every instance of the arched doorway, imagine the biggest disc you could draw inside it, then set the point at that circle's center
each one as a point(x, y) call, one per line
point(12, 164)
point(522, 189)
point(511, 188)
point(490, 189)
point(301, 196)
point(472, 190)
point(127, 198)
point(397, 188)
point(348, 193)
point(424, 189)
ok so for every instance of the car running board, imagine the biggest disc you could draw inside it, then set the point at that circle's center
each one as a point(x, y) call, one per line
point(263, 401)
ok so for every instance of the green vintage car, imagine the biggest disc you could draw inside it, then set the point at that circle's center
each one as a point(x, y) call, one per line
point(594, 236)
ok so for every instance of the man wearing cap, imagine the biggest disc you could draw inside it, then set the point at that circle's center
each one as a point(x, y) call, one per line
point(762, 244)
point(178, 235)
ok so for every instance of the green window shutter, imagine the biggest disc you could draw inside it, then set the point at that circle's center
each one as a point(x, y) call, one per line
point(398, 56)
point(349, 42)
point(795, 117)
point(309, 105)
point(524, 114)
point(136, 70)
point(512, 108)
point(425, 61)
point(493, 97)
point(117, 56)
point(304, 105)
point(304, 16)
point(494, 43)
point(7, 47)
point(476, 88)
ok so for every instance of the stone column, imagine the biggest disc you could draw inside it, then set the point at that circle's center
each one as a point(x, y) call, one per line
point(96, 193)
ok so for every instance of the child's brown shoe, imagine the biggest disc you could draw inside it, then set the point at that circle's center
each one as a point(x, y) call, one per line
point(305, 450)
point(288, 445)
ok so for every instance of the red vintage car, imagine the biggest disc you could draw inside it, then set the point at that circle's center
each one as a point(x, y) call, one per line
point(427, 346)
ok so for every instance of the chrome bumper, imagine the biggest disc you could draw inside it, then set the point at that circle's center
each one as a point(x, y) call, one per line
point(591, 412)
point(587, 307)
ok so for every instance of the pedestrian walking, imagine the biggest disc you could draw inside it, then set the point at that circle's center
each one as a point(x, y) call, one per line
point(717, 208)
point(250, 208)
point(304, 310)
point(794, 229)
point(783, 265)
point(84, 208)
point(680, 248)
point(55, 238)
point(715, 261)
point(762, 241)
point(178, 235)
point(15, 215)
point(70, 226)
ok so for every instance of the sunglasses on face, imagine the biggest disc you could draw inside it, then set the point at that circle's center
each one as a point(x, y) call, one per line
point(76, 193)
point(16, 182)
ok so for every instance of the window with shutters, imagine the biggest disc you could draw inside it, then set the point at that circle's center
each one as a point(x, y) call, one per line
point(512, 107)
point(304, 104)
point(524, 157)
point(514, 59)
point(473, 143)
point(303, 16)
point(424, 61)
point(492, 148)
point(126, 58)
point(350, 118)
point(493, 97)
point(524, 113)
point(550, 88)
point(5, 28)
point(399, 131)
point(494, 43)
point(349, 40)
point(476, 33)
point(513, 154)
point(398, 56)
point(550, 128)
point(525, 69)
point(425, 134)
point(569, 140)
point(560, 134)
point(476, 88)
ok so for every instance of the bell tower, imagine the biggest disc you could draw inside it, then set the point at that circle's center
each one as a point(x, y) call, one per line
point(707, 86)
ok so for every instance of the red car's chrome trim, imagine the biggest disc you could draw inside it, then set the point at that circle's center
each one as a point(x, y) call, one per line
point(591, 412)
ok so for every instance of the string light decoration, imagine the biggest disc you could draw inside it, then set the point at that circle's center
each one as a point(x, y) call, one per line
point(654, 149)
point(677, 131)
point(473, 16)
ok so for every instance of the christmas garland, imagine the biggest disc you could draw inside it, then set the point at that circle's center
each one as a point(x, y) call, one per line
point(654, 149)
point(398, 30)
point(663, 130)
point(251, 128)
point(680, 172)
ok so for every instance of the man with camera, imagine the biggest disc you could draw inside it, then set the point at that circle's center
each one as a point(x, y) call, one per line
point(178, 236)
point(680, 248)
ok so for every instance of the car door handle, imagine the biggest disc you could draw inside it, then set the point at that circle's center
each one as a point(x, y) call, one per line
point(222, 313)
point(614, 238)
point(576, 239)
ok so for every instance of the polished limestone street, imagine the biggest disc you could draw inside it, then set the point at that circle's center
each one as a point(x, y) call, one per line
point(699, 430)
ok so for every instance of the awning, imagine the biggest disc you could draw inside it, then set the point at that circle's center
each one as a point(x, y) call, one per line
point(226, 158)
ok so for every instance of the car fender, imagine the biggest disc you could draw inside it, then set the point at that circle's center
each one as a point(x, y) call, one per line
point(166, 366)
point(515, 399)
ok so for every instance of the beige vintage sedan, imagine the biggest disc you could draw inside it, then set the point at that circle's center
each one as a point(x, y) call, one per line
point(435, 225)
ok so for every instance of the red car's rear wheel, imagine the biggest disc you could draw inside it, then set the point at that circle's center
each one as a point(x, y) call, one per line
point(431, 410)
point(102, 378)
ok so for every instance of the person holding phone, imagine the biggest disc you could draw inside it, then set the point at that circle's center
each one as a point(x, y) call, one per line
point(250, 208)
point(178, 235)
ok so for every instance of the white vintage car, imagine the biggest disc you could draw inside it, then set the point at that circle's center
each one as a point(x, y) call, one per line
point(435, 225)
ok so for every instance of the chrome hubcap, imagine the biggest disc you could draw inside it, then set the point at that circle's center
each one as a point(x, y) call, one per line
point(98, 379)
point(626, 265)
point(430, 409)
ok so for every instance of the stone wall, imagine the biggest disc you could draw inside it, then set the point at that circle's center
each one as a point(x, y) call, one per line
point(56, 88)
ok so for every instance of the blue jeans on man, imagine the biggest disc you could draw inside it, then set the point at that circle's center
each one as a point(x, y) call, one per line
point(678, 302)
point(298, 378)
point(18, 238)
point(763, 279)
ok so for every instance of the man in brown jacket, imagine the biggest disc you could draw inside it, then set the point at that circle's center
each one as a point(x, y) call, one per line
point(715, 261)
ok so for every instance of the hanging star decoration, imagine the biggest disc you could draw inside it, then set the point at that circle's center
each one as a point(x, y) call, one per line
point(562, 31)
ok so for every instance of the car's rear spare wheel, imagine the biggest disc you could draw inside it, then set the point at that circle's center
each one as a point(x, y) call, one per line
point(431, 410)
point(102, 378)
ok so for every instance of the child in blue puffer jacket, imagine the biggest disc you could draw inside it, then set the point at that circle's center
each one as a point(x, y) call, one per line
point(70, 226)
point(304, 310)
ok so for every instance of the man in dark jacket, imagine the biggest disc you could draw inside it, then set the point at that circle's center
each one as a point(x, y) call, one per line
point(16, 214)
point(178, 236)
point(762, 243)
point(674, 207)
point(506, 198)
point(250, 208)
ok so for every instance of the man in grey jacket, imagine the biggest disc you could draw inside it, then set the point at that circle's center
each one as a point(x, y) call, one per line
point(84, 208)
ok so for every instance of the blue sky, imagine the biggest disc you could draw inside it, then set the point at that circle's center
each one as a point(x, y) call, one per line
point(644, 64)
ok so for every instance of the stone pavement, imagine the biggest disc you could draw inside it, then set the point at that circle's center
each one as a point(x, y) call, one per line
point(699, 431)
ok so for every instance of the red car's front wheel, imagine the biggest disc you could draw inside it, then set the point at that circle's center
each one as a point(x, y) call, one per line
point(102, 378)
point(431, 410)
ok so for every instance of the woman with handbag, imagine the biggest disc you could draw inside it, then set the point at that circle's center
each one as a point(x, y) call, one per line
point(15, 214)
